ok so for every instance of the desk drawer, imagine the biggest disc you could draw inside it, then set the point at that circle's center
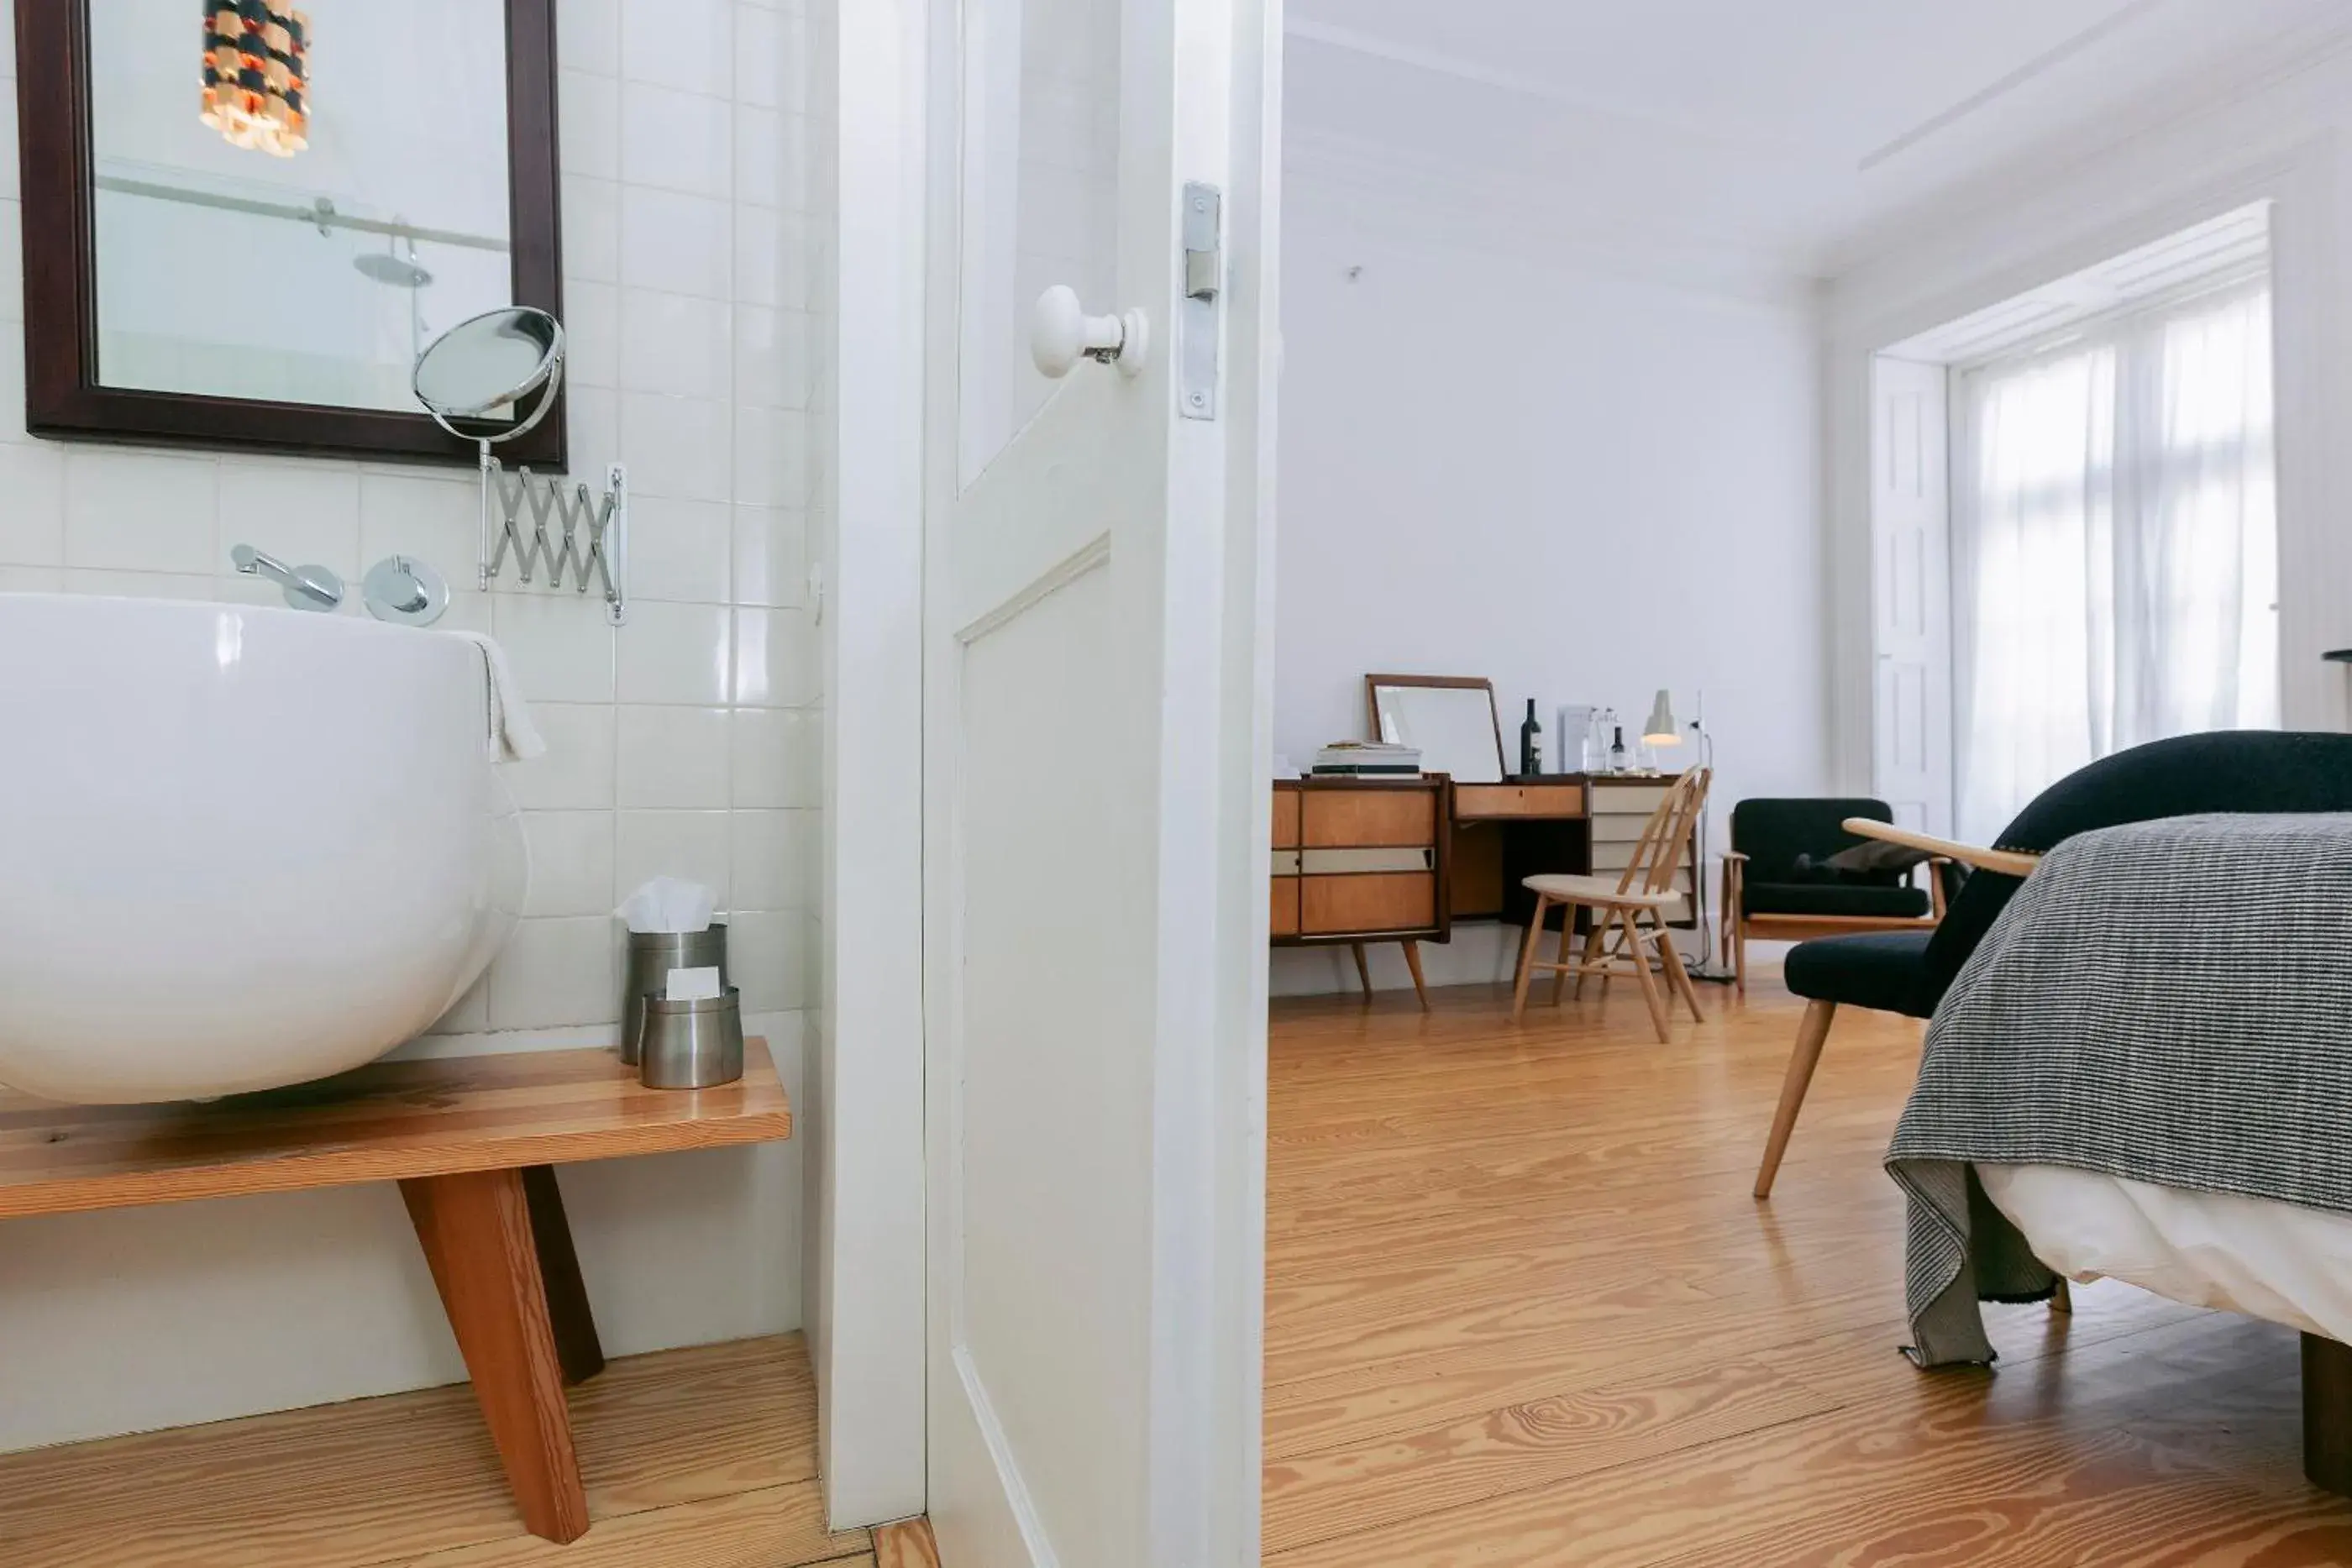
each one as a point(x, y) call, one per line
point(1636, 800)
point(1286, 819)
point(1367, 818)
point(1391, 901)
point(1476, 801)
point(1283, 921)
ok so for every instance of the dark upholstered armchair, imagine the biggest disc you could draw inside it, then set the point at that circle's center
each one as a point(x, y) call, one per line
point(2250, 772)
point(1774, 890)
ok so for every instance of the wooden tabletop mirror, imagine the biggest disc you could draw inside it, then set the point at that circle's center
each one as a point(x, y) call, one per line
point(1451, 718)
point(243, 233)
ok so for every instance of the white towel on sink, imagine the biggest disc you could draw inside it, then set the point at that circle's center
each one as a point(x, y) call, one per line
point(513, 738)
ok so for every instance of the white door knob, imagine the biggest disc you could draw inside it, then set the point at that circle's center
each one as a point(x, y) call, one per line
point(1061, 333)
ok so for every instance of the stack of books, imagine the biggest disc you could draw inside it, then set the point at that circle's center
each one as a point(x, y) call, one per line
point(1367, 759)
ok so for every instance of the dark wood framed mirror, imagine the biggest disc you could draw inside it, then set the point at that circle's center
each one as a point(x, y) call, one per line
point(241, 234)
point(1449, 719)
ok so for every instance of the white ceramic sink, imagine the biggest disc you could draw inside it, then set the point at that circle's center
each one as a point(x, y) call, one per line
point(240, 848)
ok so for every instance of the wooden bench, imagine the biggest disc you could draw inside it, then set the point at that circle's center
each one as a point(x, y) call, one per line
point(473, 1142)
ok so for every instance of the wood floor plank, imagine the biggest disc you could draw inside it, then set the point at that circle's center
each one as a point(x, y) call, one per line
point(345, 1486)
point(1520, 1445)
point(779, 1527)
point(1522, 1310)
point(907, 1544)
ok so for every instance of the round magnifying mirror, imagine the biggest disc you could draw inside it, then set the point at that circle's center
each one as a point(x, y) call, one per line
point(492, 362)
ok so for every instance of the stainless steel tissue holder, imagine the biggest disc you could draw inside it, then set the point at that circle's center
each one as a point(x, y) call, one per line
point(692, 1045)
point(652, 956)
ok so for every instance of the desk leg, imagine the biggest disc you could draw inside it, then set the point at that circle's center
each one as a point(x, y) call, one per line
point(558, 1266)
point(478, 1234)
point(1413, 962)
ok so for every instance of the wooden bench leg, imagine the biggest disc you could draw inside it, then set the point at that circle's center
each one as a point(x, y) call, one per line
point(1810, 1033)
point(577, 1345)
point(479, 1236)
point(2328, 1414)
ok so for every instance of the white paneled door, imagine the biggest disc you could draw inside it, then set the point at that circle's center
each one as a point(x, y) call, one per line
point(1911, 611)
point(1096, 596)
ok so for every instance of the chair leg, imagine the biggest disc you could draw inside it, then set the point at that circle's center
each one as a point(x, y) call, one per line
point(1739, 958)
point(1641, 957)
point(1810, 1033)
point(1677, 974)
point(1527, 959)
point(1600, 921)
point(1568, 960)
point(1363, 969)
point(1413, 962)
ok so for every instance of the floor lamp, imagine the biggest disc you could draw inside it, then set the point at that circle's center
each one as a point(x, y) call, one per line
point(1661, 731)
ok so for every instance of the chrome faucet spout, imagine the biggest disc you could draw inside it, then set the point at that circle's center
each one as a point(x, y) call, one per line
point(306, 587)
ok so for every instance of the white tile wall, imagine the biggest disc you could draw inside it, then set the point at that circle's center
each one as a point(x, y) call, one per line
point(686, 742)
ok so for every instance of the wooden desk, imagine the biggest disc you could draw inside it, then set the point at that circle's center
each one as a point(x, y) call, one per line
point(473, 1142)
point(1361, 860)
point(1502, 833)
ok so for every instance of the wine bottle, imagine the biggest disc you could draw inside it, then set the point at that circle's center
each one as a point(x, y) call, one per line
point(1617, 749)
point(1530, 744)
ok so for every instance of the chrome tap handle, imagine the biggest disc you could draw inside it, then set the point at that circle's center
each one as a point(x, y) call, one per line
point(306, 587)
point(406, 591)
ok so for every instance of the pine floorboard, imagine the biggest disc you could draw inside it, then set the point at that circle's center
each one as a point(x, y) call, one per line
point(1521, 1310)
point(693, 1459)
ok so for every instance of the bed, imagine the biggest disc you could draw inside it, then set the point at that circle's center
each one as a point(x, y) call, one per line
point(2139, 1073)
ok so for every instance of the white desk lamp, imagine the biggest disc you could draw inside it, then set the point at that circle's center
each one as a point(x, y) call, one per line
point(1660, 730)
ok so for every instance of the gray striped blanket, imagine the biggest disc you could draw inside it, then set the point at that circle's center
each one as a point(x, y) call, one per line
point(2170, 1002)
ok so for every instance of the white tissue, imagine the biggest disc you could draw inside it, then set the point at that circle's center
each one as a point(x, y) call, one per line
point(694, 985)
point(669, 904)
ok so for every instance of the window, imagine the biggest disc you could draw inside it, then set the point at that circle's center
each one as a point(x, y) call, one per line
point(2115, 547)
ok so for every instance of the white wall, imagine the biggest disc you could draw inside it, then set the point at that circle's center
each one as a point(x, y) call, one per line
point(2137, 180)
point(686, 742)
point(1551, 466)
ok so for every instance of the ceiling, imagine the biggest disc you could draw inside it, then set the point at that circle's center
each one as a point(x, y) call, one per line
point(1788, 131)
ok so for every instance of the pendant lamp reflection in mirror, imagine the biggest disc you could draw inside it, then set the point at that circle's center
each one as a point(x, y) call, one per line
point(257, 75)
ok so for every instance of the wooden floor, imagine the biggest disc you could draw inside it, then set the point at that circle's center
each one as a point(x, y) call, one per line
point(693, 1459)
point(1522, 1310)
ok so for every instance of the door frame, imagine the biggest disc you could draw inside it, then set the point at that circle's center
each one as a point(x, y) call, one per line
point(861, 1123)
point(864, 1120)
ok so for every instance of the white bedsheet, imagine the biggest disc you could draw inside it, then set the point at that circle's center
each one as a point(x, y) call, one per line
point(2267, 1260)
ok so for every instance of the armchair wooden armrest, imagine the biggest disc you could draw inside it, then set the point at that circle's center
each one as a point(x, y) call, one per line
point(1934, 865)
point(2007, 862)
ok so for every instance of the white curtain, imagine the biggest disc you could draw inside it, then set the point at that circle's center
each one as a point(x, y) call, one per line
point(2115, 547)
